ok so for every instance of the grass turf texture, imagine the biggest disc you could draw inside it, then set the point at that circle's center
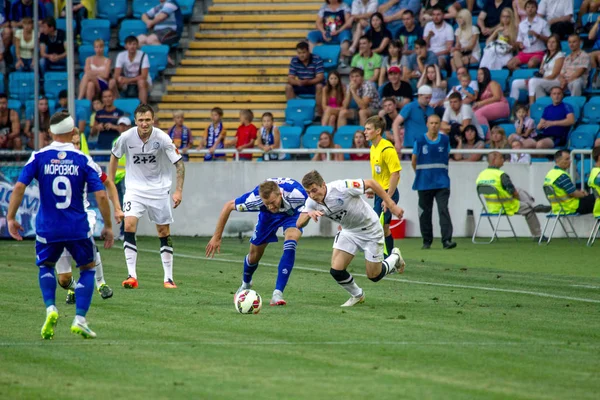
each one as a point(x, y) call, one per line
point(439, 331)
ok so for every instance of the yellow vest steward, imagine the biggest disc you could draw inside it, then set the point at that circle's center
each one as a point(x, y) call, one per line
point(492, 177)
point(591, 183)
point(569, 204)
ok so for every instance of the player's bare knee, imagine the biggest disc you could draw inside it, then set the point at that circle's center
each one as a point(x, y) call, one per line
point(87, 267)
point(65, 279)
point(163, 230)
point(292, 234)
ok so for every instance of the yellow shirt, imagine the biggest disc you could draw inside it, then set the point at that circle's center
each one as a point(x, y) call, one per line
point(384, 162)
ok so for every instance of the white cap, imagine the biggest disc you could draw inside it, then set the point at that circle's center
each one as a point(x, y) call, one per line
point(125, 121)
point(425, 90)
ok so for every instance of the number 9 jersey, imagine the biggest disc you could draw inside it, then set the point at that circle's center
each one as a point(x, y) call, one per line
point(62, 173)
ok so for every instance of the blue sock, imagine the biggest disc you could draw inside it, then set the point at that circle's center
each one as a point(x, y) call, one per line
point(248, 270)
point(48, 285)
point(286, 264)
point(84, 290)
point(389, 244)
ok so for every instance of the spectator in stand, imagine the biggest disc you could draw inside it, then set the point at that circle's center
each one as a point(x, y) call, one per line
point(472, 83)
point(245, 135)
point(393, 59)
point(416, 62)
point(531, 39)
point(524, 129)
point(44, 132)
point(414, 116)
point(498, 140)
point(519, 158)
point(409, 33)
point(559, 14)
point(334, 24)
point(467, 50)
point(362, 10)
point(80, 12)
point(166, 21)
point(10, 126)
point(439, 36)
point(333, 98)
point(24, 8)
point(367, 60)
point(106, 122)
point(380, 36)
point(132, 71)
point(326, 142)
point(557, 120)
point(214, 136)
point(269, 138)
point(433, 79)
point(489, 17)
point(595, 54)
point(450, 10)
point(393, 11)
point(389, 114)
point(53, 50)
point(63, 101)
point(468, 140)
point(456, 119)
point(24, 45)
point(305, 76)
point(501, 44)
point(491, 103)
point(464, 89)
point(97, 105)
point(518, 7)
point(588, 6)
point(96, 78)
point(181, 135)
point(547, 76)
point(360, 142)
point(397, 88)
point(360, 101)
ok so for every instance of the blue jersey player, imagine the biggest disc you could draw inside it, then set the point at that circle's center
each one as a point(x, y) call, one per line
point(278, 202)
point(62, 222)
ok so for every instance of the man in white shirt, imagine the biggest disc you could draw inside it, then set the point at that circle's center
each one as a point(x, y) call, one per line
point(458, 116)
point(559, 14)
point(341, 201)
point(531, 39)
point(132, 71)
point(439, 36)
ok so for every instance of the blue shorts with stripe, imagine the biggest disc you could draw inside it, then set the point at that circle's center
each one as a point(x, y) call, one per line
point(269, 223)
point(377, 206)
point(83, 251)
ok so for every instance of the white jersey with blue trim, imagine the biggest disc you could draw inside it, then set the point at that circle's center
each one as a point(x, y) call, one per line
point(293, 198)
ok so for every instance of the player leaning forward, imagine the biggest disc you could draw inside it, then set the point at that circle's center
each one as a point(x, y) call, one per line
point(150, 154)
point(342, 202)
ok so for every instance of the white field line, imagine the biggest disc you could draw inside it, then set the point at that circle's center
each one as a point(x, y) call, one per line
point(452, 285)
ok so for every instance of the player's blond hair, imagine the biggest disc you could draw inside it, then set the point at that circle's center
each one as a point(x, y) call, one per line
point(377, 122)
point(312, 178)
point(267, 188)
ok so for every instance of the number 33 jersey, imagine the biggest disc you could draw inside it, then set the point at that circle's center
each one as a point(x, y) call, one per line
point(62, 174)
point(149, 165)
point(343, 204)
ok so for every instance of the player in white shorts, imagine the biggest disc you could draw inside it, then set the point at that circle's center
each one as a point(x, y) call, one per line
point(150, 155)
point(341, 202)
point(63, 265)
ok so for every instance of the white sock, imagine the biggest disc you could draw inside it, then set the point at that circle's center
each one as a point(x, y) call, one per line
point(99, 271)
point(50, 309)
point(80, 319)
point(71, 285)
point(166, 256)
point(390, 263)
point(351, 287)
point(130, 258)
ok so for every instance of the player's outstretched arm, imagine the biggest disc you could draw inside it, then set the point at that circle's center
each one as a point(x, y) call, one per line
point(114, 198)
point(214, 245)
point(387, 200)
point(15, 200)
point(104, 208)
point(303, 220)
point(177, 196)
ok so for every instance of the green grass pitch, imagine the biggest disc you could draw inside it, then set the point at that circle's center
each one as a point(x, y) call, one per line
point(510, 320)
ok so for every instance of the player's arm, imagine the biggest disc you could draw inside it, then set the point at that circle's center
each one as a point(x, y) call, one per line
point(112, 167)
point(214, 245)
point(180, 167)
point(15, 200)
point(387, 200)
point(104, 208)
point(114, 198)
point(303, 220)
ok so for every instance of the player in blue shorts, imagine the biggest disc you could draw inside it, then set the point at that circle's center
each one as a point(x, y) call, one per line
point(278, 202)
point(62, 223)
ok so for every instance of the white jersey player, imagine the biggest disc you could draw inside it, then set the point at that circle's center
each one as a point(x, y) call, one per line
point(63, 265)
point(150, 155)
point(341, 202)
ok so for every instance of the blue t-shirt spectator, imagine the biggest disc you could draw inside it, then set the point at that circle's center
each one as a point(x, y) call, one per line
point(107, 136)
point(412, 5)
point(411, 61)
point(408, 38)
point(415, 121)
point(19, 10)
point(557, 113)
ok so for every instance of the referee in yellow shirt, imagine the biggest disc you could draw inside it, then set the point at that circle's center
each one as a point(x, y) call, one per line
point(385, 169)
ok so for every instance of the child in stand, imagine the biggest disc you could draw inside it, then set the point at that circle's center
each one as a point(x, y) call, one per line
point(269, 138)
point(524, 129)
point(96, 106)
point(181, 135)
point(214, 136)
point(245, 135)
point(519, 158)
point(466, 91)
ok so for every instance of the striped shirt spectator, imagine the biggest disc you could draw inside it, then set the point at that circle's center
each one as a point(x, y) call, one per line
point(310, 70)
point(169, 8)
point(305, 76)
point(166, 21)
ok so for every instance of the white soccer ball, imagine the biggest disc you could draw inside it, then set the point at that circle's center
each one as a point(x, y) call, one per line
point(247, 302)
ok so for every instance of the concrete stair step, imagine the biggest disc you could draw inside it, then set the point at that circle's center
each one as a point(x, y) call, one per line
point(226, 88)
point(241, 98)
point(245, 8)
point(229, 79)
point(228, 115)
point(240, 53)
point(214, 18)
point(225, 106)
point(236, 62)
point(298, 35)
point(232, 71)
point(258, 26)
point(237, 44)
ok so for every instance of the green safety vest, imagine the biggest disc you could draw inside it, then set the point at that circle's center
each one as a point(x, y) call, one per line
point(493, 177)
point(592, 183)
point(569, 204)
point(120, 174)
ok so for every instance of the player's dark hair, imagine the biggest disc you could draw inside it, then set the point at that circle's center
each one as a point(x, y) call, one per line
point(558, 155)
point(59, 117)
point(131, 39)
point(455, 95)
point(357, 71)
point(302, 46)
point(596, 153)
point(217, 110)
point(142, 109)
point(312, 178)
point(267, 188)
point(377, 122)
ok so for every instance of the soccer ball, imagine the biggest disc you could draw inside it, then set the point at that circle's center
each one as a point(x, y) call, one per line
point(247, 302)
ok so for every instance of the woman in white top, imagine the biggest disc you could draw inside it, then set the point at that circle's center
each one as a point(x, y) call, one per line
point(96, 77)
point(501, 44)
point(24, 45)
point(549, 70)
point(433, 78)
point(467, 50)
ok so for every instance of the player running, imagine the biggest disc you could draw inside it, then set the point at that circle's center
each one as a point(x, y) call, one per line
point(341, 202)
point(62, 173)
point(150, 155)
point(278, 202)
point(63, 266)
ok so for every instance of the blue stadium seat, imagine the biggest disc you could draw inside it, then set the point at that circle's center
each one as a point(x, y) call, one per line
point(509, 129)
point(83, 109)
point(590, 89)
point(54, 83)
point(92, 29)
point(453, 81)
point(310, 139)
point(131, 27)
point(300, 112)
point(187, 7)
point(15, 105)
point(344, 136)
point(591, 111)
point(330, 55)
point(87, 50)
point(30, 104)
point(142, 6)
point(526, 73)
point(61, 23)
point(290, 138)
point(158, 58)
point(127, 105)
point(500, 76)
point(577, 103)
point(2, 89)
point(537, 108)
point(113, 11)
point(576, 6)
point(20, 86)
point(583, 136)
